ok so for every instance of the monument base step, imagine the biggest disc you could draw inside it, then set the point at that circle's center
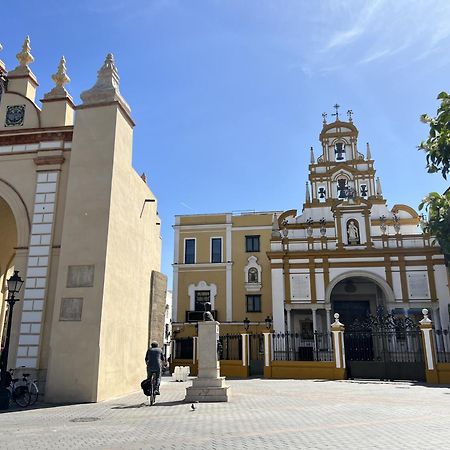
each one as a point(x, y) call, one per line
point(202, 383)
point(205, 394)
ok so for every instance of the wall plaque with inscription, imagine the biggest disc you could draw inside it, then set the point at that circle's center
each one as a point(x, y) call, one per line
point(300, 288)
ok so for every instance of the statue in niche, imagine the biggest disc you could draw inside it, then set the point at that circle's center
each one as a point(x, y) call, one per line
point(253, 275)
point(353, 232)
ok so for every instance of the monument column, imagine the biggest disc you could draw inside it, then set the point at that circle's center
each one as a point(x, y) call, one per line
point(209, 386)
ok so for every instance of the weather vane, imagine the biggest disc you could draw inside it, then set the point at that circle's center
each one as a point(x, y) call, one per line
point(349, 114)
point(324, 115)
point(336, 107)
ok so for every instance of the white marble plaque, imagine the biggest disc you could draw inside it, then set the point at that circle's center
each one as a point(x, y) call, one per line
point(300, 288)
point(418, 285)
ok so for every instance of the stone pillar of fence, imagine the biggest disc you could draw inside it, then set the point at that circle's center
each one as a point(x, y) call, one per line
point(194, 349)
point(337, 330)
point(267, 355)
point(245, 349)
point(429, 349)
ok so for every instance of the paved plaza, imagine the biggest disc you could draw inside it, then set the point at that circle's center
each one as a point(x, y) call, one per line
point(262, 414)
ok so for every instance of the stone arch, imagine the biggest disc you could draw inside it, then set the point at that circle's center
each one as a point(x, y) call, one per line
point(19, 210)
point(382, 284)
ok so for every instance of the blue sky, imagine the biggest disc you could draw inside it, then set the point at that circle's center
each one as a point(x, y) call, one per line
point(227, 95)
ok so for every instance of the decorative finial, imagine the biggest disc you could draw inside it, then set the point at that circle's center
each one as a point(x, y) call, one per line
point(2, 64)
point(379, 191)
point(349, 114)
point(275, 227)
point(25, 57)
point(324, 116)
point(285, 231)
point(308, 196)
point(369, 153)
point(60, 78)
point(336, 107)
point(426, 320)
point(106, 88)
point(336, 322)
point(312, 158)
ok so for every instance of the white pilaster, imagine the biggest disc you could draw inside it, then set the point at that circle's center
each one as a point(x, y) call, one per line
point(229, 273)
point(38, 263)
point(314, 319)
point(278, 300)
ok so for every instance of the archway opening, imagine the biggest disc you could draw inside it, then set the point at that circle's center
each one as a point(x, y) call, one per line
point(356, 297)
point(8, 244)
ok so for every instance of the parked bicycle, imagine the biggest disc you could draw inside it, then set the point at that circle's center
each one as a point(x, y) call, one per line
point(24, 392)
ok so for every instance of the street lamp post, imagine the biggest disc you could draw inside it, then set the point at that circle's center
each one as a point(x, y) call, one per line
point(14, 285)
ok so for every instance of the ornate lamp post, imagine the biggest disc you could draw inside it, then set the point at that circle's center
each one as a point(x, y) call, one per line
point(14, 285)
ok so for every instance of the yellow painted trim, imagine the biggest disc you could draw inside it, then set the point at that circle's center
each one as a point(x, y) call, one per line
point(305, 370)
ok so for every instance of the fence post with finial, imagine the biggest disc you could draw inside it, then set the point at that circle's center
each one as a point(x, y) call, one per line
point(337, 331)
point(426, 326)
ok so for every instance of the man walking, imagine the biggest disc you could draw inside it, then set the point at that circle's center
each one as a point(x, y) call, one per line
point(154, 358)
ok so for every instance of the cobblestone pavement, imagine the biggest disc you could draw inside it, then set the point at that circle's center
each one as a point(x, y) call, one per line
point(261, 414)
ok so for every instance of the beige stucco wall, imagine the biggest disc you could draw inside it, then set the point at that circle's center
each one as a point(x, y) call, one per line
point(104, 199)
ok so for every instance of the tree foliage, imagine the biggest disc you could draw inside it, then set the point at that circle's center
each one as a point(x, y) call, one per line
point(437, 148)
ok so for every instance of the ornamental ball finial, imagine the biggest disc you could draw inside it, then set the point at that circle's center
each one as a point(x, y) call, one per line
point(336, 316)
point(425, 312)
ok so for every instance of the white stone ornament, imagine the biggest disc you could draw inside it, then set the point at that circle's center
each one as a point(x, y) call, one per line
point(25, 58)
point(426, 319)
point(61, 79)
point(106, 88)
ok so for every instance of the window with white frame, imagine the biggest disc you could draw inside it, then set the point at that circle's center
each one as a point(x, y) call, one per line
point(216, 250)
point(189, 251)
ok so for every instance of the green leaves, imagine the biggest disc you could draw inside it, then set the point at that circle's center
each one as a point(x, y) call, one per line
point(437, 146)
point(438, 223)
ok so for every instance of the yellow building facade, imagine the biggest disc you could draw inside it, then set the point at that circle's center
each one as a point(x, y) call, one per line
point(75, 220)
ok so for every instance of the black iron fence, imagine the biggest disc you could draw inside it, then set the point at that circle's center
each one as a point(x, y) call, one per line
point(402, 346)
point(230, 347)
point(442, 340)
point(295, 347)
point(184, 348)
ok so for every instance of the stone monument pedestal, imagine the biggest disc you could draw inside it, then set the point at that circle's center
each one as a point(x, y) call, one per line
point(209, 386)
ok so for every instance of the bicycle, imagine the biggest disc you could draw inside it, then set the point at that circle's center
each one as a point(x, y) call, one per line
point(24, 392)
point(152, 396)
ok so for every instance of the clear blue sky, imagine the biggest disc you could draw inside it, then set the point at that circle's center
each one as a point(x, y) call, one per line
point(227, 95)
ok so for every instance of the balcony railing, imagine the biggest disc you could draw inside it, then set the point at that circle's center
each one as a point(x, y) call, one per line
point(197, 316)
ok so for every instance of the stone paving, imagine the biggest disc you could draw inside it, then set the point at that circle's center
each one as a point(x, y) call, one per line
point(262, 414)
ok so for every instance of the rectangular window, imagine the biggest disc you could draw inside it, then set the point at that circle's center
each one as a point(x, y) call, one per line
point(252, 243)
point(216, 250)
point(202, 297)
point(253, 303)
point(189, 251)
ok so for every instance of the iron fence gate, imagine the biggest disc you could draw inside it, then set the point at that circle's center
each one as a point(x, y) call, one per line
point(230, 347)
point(256, 354)
point(296, 347)
point(384, 347)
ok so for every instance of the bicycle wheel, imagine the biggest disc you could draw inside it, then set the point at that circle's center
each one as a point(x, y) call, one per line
point(34, 392)
point(152, 390)
point(21, 396)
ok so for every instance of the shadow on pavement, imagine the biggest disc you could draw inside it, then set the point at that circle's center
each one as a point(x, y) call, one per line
point(145, 404)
